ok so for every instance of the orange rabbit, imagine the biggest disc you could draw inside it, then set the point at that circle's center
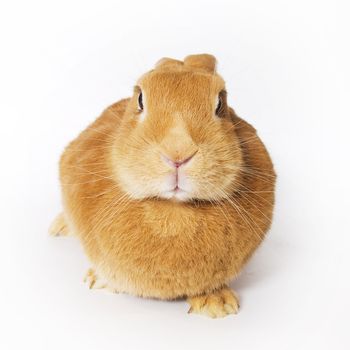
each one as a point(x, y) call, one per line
point(169, 191)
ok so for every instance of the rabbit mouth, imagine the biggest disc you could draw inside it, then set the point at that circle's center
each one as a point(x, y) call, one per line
point(176, 185)
point(176, 193)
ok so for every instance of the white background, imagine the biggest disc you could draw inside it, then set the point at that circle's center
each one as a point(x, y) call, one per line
point(286, 64)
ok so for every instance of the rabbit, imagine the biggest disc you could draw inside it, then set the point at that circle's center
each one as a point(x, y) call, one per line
point(169, 191)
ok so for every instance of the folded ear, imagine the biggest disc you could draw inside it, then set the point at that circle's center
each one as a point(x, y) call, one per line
point(166, 62)
point(204, 62)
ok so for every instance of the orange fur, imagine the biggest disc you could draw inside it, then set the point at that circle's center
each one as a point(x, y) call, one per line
point(142, 239)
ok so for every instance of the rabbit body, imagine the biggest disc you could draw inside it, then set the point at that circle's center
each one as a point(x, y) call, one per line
point(158, 243)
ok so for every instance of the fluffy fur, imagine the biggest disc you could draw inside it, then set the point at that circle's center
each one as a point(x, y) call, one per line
point(146, 237)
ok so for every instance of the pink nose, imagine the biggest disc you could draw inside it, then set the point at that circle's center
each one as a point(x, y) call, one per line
point(178, 163)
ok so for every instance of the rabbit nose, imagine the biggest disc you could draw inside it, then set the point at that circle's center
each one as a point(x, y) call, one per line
point(177, 163)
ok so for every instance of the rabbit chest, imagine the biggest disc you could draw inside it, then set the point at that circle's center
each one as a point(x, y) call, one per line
point(168, 250)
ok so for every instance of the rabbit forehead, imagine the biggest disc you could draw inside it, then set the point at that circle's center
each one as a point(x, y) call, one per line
point(183, 86)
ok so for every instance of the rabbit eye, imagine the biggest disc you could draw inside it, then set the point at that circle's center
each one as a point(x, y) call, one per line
point(220, 107)
point(140, 101)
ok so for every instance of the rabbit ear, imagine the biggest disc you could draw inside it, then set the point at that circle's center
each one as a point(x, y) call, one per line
point(166, 62)
point(204, 62)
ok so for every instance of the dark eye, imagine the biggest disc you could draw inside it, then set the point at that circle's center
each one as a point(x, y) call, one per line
point(140, 102)
point(220, 107)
